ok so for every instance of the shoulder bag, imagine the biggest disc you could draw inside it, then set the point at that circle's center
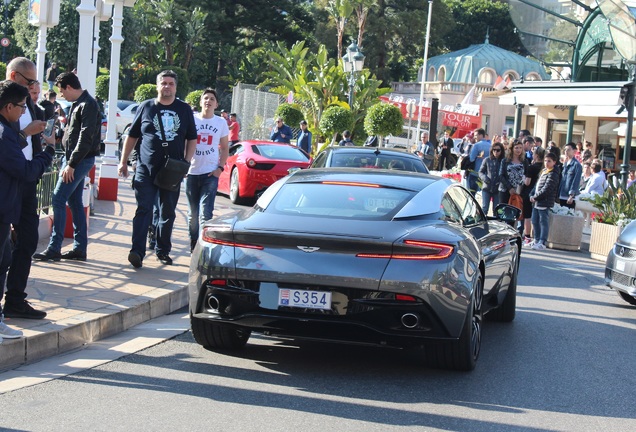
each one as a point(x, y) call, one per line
point(172, 173)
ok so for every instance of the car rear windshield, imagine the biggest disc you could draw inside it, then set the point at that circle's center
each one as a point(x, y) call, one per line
point(280, 152)
point(340, 200)
point(385, 161)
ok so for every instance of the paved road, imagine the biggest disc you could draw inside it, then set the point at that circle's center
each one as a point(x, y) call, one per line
point(565, 364)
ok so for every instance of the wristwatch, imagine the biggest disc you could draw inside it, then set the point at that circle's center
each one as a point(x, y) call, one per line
point(221, 168)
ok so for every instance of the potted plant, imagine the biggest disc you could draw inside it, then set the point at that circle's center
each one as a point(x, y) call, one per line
point(617, 208)
point(566, 228)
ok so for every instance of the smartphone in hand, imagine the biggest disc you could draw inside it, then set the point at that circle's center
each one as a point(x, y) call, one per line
point(48, 130)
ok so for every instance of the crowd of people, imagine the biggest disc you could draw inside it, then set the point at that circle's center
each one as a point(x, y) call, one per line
point(526, 172)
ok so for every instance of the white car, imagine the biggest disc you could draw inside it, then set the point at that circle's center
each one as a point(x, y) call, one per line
point(126, 111)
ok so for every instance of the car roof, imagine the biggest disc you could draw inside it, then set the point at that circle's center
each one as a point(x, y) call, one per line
point(366, 150)
point(400, 179)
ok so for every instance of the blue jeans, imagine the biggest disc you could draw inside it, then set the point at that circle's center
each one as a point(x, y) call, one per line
point(72, 193)
point(201, 192)
point(540, 225)
point(486, 196)
point(146, 195)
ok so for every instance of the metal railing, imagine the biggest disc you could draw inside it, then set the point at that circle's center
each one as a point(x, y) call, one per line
point(46, 186)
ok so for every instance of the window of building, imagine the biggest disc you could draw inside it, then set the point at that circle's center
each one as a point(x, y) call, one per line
point(487, 76)
point(441, 75)
point(431, 74)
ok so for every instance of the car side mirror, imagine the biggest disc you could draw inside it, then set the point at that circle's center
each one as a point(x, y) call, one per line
point(507, 213)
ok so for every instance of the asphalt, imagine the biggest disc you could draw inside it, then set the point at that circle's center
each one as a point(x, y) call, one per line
point(103, 296)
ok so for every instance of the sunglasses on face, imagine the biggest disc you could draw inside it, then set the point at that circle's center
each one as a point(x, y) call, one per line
point(30, 82)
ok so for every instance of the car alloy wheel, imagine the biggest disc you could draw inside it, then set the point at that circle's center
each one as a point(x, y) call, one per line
point(235, 195)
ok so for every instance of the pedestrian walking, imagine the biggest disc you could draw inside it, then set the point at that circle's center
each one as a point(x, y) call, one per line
point(167, 130)
point(304, 138)
point(51, 75)
point(206, 165)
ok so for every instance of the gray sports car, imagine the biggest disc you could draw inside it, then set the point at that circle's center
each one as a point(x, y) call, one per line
point(620, 267)
point(381, 257)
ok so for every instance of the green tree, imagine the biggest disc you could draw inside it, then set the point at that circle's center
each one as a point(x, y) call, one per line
point(194, 98)
point(145, 92)
point(335, 120)
point(102, 85)
point(383, 119)
point(340, 11)
point(290, 113)
point(481, 16)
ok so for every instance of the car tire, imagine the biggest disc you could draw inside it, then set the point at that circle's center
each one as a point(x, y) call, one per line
point(507, 310)
point(629, 299)
point(462, 354)
point(217, 336)
point(235, 193)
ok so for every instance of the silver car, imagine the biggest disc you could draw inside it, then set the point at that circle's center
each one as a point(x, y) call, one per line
point(620, 267)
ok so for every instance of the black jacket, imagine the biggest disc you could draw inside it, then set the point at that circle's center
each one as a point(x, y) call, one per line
point(489, 173)
point(545, 192)
point(83, 132)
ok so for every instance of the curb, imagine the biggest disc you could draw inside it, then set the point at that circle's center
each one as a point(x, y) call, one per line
point(72, 333)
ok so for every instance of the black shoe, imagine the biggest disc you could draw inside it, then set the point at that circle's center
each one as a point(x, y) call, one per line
point(135, 259)
point(48, 255)
point(22, 310)
point(165, 259)
point(74, 254)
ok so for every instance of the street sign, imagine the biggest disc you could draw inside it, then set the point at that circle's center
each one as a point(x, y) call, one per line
point(5, 42)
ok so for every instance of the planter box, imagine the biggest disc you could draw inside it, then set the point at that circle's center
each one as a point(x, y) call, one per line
point(602, 239)
point(565, 232)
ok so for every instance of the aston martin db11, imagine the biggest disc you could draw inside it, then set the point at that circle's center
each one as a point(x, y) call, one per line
point(382, 257)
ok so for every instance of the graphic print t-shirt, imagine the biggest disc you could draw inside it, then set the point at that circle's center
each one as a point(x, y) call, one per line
point(209, 134)
point(178, 125)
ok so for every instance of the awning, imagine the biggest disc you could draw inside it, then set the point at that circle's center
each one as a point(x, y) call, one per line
point(559, 93)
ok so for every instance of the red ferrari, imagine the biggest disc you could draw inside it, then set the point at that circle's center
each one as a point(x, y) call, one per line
point(254, 165)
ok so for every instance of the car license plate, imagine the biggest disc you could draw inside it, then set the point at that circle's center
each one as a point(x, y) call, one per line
point(375, 203)
point(620, 265)
point(304, 299)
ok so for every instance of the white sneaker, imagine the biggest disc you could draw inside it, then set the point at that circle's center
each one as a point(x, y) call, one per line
point(538, 246)
point(529, 244)
point(7, 332)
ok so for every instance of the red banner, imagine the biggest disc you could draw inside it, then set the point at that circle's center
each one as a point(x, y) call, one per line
point(465, 117)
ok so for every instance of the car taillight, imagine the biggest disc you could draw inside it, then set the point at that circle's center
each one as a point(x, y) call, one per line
point(404, 297)
point(251, 163)
point(425, 251)
point(209, 235)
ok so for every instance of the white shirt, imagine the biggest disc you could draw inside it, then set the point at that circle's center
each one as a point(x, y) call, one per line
point(209, 134)
point(596, 184)
point(25, 120)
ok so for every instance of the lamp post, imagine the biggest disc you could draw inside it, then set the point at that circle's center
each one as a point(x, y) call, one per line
point(353, 61)
point(5, 23)
point(424, 68)
point(621, 21)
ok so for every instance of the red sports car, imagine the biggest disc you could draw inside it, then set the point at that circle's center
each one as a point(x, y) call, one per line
point(254, 165)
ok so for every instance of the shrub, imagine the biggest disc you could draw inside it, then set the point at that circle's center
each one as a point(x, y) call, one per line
point(617, 206)
point(383, 119)
point(334, 120)
point(102, 85)
point(3, 70)
point(145, 92)
point(194, 98)
point(290, 113)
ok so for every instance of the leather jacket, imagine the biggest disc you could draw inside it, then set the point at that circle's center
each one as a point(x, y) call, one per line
point(82, 135)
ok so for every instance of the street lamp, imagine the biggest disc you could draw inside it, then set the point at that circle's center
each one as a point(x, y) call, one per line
point(4, 27)
point(353, 61)
point(621, 20)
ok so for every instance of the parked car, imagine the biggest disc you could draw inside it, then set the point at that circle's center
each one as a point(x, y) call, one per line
point(368, 157)
point(126, 110)
point(620, 267)
point(253, 166)
point(392, 258)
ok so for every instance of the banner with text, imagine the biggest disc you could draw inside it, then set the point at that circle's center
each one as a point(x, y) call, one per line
point(465, 117)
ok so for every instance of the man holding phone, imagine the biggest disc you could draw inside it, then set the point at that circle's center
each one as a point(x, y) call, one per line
point(23, 71)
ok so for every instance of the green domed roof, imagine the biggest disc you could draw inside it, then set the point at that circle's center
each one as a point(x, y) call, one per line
point(465, 65)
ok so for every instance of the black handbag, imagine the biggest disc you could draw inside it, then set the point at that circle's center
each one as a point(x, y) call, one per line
point(173, 171)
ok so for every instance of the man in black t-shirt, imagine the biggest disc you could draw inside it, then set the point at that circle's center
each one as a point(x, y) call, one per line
point(181, 135)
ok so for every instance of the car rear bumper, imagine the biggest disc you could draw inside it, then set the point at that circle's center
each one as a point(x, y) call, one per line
point(356, 316)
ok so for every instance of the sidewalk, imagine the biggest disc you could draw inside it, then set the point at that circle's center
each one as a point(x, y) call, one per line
point(88, 301)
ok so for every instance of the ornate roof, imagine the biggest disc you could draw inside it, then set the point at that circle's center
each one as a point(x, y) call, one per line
point(466, 65)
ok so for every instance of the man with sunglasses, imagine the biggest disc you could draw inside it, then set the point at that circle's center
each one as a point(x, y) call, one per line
point(281, 132)
point(22, 71)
